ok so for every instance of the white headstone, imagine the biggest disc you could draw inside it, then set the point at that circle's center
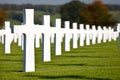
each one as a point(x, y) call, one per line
point(75, 35)
point(8, 37)
point(46, 51)
point(114, 35)
point(94, 34)
point(110, 34)
point(88, 34)
point(100, 32)
point(58, 37)
point(37, 40)
point(118, 27)
point(28, 30)
point(67, 36)
point(104, 34)
point(82, 34)
point(52, 36)
point(20, 40)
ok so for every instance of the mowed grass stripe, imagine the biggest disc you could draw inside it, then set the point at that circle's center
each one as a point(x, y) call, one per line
point(94, 62)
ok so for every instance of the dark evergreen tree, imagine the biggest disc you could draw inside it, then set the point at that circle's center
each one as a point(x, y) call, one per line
point(71, 11)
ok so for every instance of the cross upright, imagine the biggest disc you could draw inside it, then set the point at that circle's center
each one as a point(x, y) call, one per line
point(28, 30)
point(110, 34)
point(88, 35)
point(94, 34)
point(7, 37)
point(82, 34)
point(100, 34)
point(58, 37)
point(46, 31)
point(67, 36)
point(104, 34)
point(75, 35)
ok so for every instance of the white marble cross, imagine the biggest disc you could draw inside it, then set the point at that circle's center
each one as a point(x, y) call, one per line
point(94, 34)
point(46, 32)
point(118, 27)
point(67, 36)
point(88, 34)
point(20, 39)
point(8, 37)
point(105, 33)
point(100, 34)
point(28, 30)
point(58, 37)
point(114, 35)
point(82, 34)
point(37, 40)
point(75, 35)
point(110, 34)
point(118, 30)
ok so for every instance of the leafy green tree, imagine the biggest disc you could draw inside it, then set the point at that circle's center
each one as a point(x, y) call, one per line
point(71, 11)
point(97, 14)
point(2, 17)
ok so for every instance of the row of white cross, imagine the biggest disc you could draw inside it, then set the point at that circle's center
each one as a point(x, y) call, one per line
point(28, 36)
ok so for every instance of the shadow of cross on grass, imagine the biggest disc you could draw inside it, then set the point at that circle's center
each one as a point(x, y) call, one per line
point(67, 77)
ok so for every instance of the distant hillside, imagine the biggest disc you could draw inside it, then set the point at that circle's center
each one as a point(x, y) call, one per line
point(16, 17)
point(113, 7)
point(15, 12)
point(47, 8)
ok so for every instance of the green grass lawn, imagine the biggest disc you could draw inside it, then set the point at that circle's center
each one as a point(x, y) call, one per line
point(95, 62)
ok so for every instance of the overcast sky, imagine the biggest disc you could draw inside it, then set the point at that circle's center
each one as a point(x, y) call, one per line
point(54, 2)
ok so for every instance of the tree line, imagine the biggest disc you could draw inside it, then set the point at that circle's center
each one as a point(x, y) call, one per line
point(49, 8)
point(95, 13)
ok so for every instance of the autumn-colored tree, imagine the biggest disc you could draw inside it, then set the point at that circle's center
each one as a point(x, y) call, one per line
point(70, 11)
point(97, 14)
point(3, 16)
